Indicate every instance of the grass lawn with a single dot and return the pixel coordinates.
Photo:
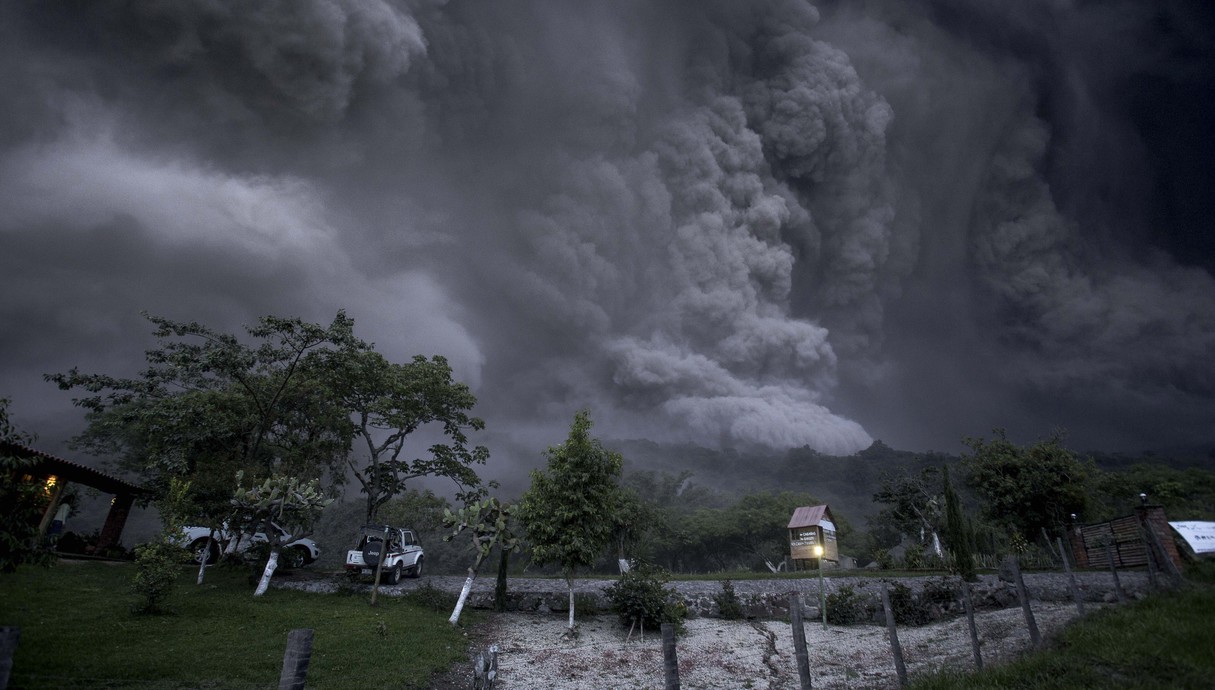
(1166, 641)
(77, 629)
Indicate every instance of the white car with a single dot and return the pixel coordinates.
(402, 553)
(295, 553)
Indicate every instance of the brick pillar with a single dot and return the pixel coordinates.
(111, 532)
(1154, 519)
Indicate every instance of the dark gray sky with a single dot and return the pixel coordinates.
(762, 223)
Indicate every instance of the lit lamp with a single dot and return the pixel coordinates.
(822, 600)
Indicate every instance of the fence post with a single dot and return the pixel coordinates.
(1109, 556)
(1034, 636)
(974, 630)
(1072, 578)
(9, 636)
(1151, 558)
(670, 661)
(799, 639)
(895, 648)
(295, 660)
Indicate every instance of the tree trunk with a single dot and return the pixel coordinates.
(202, 563)
(455, 615)
(271, 565)
(569, 581)
(936, 544)
(500, 585)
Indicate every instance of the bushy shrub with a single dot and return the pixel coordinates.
(908, 610)
(641, 597)
(913, 557)
(728, 605)
(884, 559)
(156, 570)
(848, 606)
(940, 591)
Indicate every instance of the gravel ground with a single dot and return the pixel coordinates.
(535, 653)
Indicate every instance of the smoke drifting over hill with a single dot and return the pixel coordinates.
(768, 223)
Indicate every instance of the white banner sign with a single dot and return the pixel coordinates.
(1199, 535)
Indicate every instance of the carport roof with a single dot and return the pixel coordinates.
(45, 465)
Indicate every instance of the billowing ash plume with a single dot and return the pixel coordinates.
(763, 223)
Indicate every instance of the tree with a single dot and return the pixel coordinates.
(208, 401)
(392, 401)
(913, 506)
(959, 536)
(157, 562)
(488, 524)
(569, 512)
(21, 501)
(1027, 490)
(286, 501)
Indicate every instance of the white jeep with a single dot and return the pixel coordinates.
(401, 552)
(295, 553)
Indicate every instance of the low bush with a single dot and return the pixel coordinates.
(728, 605)
(907, 608)
(848, 606)
(641, 597)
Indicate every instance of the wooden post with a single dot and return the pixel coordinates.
(9, 636)
(1034, 636)
(974, 630)
(799, 640)
(295, 660)
(670, 662)
(1079, 598)
(1109, 556)
(895, 648)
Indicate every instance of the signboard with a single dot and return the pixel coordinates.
(803, 541)
(1199, 535)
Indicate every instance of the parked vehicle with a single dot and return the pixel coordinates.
(295, 553)
(402, 554)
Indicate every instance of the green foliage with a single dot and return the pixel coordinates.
(641, 597)
(570, 510)
(959, 535)
(1028, 489)
(907, 608)
(728, 605)
(392, 401)
(432, 598)
(157, 563)
(488, 523)
(914, 557)
(912, 504)
(1185, 493)
(21, 502)
(846, 606)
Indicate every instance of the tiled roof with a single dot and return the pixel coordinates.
(47, 464)
(808, 516)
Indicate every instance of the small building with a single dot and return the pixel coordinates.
(810, 527)
(54, 474)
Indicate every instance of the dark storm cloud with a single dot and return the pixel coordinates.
(738, 223)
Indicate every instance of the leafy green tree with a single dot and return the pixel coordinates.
(570, 510)
(1027, 489)
(390, 402)
(488, 525)
(1185, 493)
(913, 506)
(208, 401)
(286, 501)
(959, 536)
(21, 501)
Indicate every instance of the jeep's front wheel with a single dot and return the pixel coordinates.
(204, 551)
(416, 570)
(394, 575)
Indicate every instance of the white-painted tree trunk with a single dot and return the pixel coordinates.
(202, 562)
(570, 583)
(936, 544)
(468, 582)
(271, 565)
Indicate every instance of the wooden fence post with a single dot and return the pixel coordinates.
(1076, 595)
(974, 630)
(1034, 636)
(670, 661)
(895, 648)
(799, 639)
(1109, 556)
(295, 660)
(9, 636)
